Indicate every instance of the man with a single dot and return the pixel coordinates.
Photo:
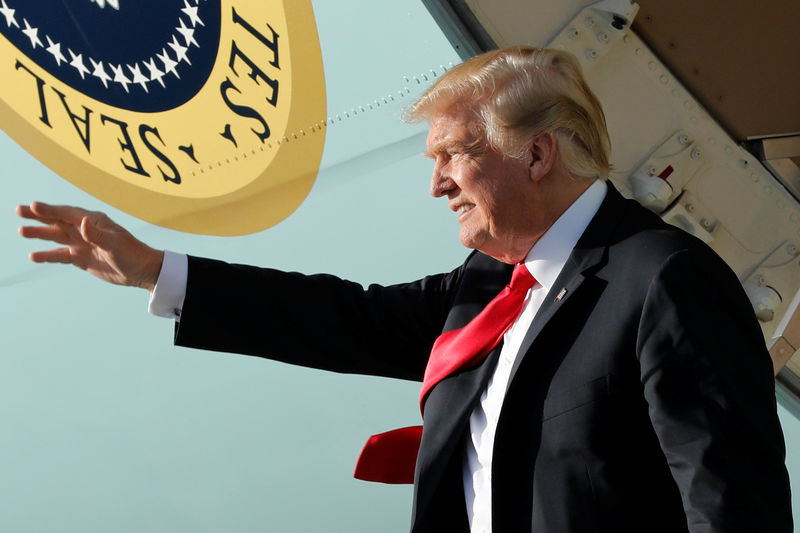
(631, 392)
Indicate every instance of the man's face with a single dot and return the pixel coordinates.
(490, 193)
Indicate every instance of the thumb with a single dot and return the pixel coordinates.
(94, 234)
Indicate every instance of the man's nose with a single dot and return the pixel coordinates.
(441, 185)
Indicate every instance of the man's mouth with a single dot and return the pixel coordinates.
(463, 209)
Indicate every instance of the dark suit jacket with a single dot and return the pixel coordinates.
(644, 401)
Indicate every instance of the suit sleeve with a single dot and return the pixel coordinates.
(318, 321)
(709, 384)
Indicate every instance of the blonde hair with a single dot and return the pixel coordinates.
(520, 93)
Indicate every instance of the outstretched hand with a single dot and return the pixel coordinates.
(92, 242)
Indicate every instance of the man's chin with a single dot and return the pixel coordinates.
(470, 241)
(479, 243)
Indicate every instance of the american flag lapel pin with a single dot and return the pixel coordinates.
(561, 294)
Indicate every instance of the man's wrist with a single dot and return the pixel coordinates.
(155, 258)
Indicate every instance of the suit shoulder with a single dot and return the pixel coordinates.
(642, 246)
(647, 235)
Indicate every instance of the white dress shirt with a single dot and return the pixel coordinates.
(545, 261)
(167, 298)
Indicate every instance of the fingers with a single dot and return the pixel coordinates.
(65, 213)
(63, 222)
(46, 233)
(26, 212)
(59, 255)
(49, 214)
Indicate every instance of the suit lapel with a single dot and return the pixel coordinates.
(448, 409)
(589, 254)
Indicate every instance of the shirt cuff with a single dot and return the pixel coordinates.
(170, 291)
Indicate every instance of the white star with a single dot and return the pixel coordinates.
(119, 76)
(112, 3)
(55, 50)
(188, 34)
(32, 33)
(155, 74)
(138, 77)
(191, 12)
(99, 72)
(8, 13)
(169, 64)
(77, 62)
(180, 51)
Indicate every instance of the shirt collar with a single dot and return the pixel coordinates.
(550, 253)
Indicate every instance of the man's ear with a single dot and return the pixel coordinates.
(542, 156)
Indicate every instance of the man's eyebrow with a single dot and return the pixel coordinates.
(446, 145)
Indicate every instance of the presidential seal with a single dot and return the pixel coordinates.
(204, 116)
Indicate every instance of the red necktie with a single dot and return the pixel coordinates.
(392, 456)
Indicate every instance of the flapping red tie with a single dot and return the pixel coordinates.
(390, 457)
